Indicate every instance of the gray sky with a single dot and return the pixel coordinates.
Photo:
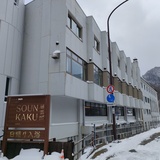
(135, 26)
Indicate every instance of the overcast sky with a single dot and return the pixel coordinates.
(135, 26)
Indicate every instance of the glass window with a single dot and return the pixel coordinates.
(74, 26)
(95, 109)
(126, 68)
(8, 81)
(96, 44)
(119, 110)
(69, 22)
(119, 85)
(129, 111)
(97, 75)
(69, 65)
(118, 62)
(76, 66)
(77, 70)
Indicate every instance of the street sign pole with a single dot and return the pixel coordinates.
(114, 123)
(110, 59)
(110, 98)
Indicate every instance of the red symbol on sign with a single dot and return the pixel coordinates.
(110, 89)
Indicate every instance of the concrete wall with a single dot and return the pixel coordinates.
(11, 40)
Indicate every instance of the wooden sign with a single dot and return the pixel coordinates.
(27, 117)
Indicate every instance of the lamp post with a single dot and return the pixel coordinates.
(110, 65)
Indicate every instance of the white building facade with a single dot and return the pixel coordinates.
(62, 52)
(11, 41)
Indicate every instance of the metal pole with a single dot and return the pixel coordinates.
(94, 136)
(110, 64)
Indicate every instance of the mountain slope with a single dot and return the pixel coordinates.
(153, 78)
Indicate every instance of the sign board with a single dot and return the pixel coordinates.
(110, 98)
(27, 118)
(110, 89)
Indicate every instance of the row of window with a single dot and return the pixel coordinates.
(148, 88)
(97, 109)
(76, 28)
(77, 67)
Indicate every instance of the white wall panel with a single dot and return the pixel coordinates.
(3, 6)
(15, 16)
(76, 88)
(57, 130)
(15, 56)
(43, 68)
(46, 18)
(9, 51)
(9, 12)
(3, 44)
(95, 93)
(56, 84)
(126, 100)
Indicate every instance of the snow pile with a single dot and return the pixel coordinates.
(127, 149)
(35, 154)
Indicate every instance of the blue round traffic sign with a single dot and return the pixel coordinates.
(110, 98)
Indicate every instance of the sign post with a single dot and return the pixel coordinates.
(27, 118)
(111, 98)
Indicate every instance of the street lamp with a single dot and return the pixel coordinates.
(110, 64)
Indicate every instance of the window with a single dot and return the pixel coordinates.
(74, 26)
(119, 111)
(130, 112)
(96, 44)
(131, 72)
(8, 81)
(97, 75)
(119, 86)
(118, 62)
(127, 90)
(126, 68)
(16, 2)
(95, 109)
(76, 66)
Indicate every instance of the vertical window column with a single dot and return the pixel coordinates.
(7, 89)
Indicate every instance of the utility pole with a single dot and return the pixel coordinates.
(110, 67)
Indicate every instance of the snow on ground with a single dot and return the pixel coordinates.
(130, 148)
(127, 149)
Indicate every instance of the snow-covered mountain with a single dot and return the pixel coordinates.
(153, 78)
